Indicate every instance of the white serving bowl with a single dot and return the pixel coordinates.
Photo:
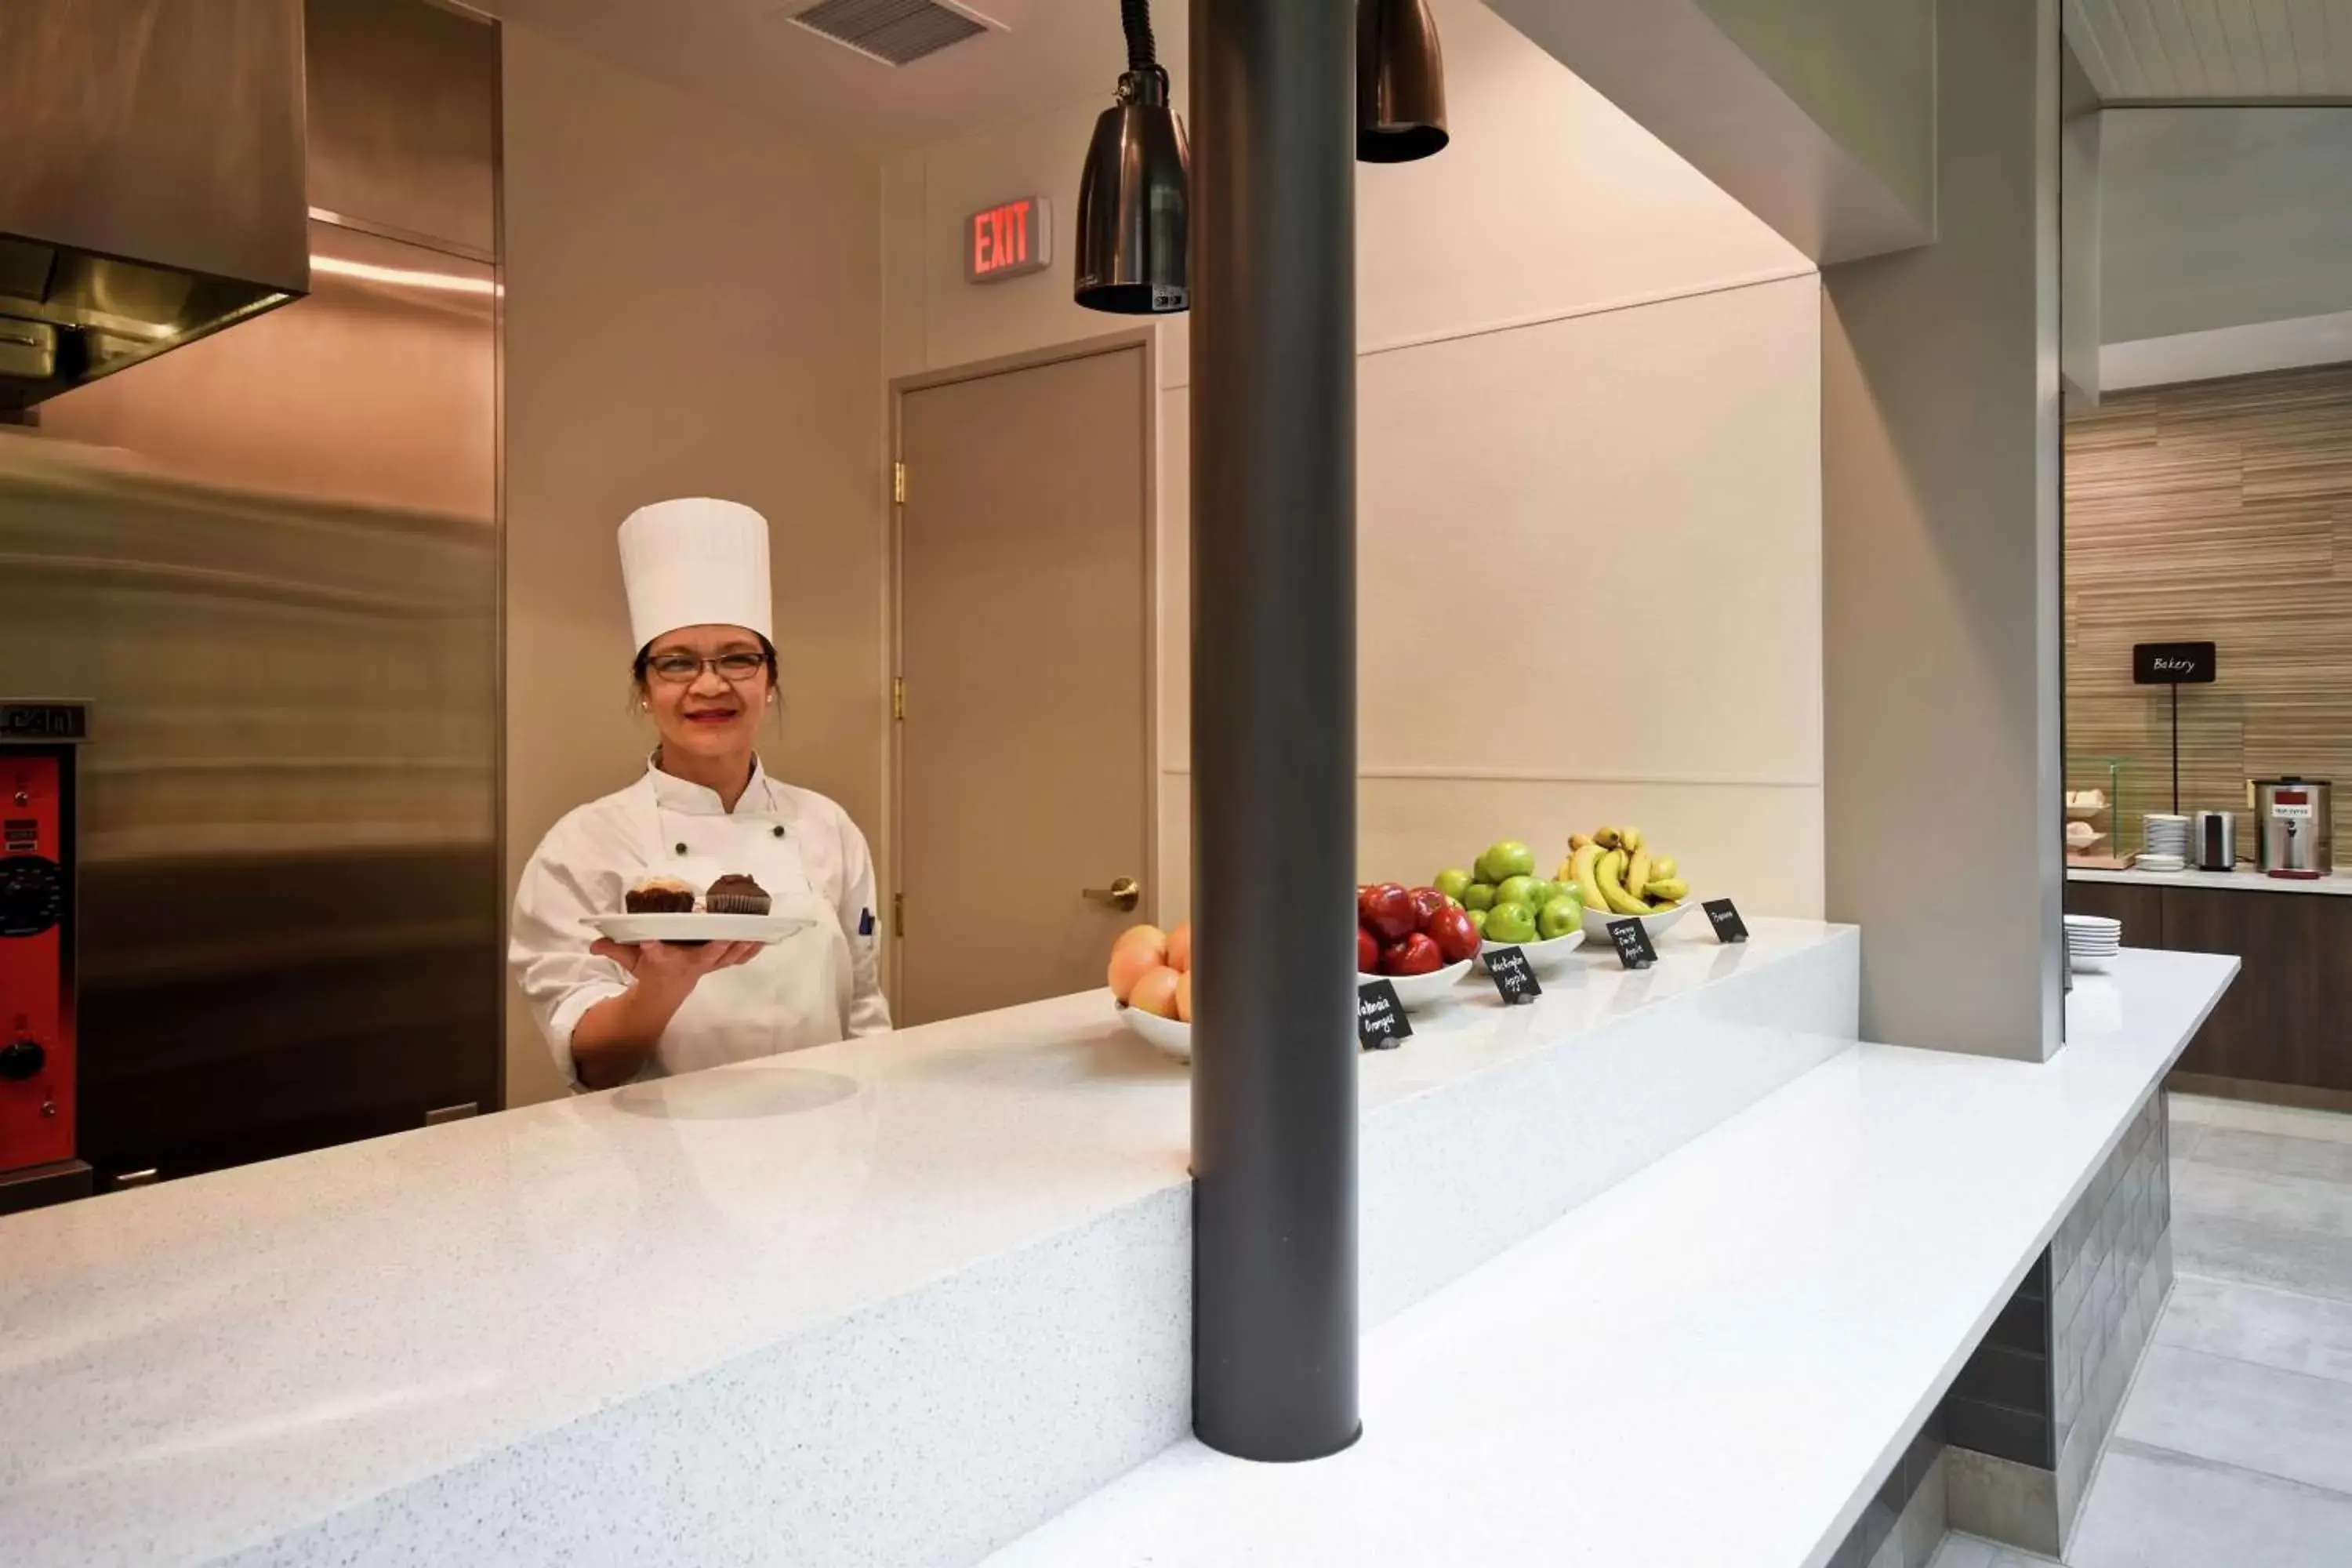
(1596, 921)
(1543, 957)
(1421, 990)
(1169, 1035)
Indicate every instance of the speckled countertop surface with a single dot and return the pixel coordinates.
(1712, 1364)
(198, 1365)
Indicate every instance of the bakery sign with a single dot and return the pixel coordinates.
(1008, 240)
(2173, 663)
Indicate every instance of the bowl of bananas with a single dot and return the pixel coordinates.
(1621, 878)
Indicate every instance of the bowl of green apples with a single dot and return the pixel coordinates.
(1513, 907)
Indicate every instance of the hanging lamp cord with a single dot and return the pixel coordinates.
(1135, 17)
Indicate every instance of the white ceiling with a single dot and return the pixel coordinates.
(2236, 50)
(745, 54)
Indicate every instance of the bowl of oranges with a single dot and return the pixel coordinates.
(1152, 983)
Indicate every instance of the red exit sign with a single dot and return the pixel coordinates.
(1008, 239)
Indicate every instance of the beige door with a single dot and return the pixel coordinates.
(1023, 629)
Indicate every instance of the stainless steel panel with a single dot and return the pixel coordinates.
(380, 389)
(403, 101)
(153, 190)
(164, 131)
(271, 559)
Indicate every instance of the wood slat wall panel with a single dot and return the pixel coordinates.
(2217, 511)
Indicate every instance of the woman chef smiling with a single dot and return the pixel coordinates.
(696, 572)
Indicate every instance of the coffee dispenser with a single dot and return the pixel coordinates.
(38, 744)
(2295, 819)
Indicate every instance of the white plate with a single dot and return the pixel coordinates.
(698, 928)
(1419, 990)
(2085, 964)
(1167, 1034)
(1543, 957)
(1597, 922)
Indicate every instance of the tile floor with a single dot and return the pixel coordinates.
(2234, 1447)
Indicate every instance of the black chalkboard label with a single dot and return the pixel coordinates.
(2173, 663)
(1729, 926)
(1514, 977)
(1632, 940)
(1381, 1023)
(44, 722)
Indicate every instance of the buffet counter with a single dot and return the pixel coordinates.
(895, 1300)
(2279, 1034)
(2247, 881)
(1722, 1360)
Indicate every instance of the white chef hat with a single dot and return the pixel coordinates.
(695, 563)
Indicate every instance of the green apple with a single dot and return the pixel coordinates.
(1544, 893)
(1518, 890)
(1508, 922)
(1478, 922)
(1479, 897)
(1452, 883)
(1507, 860)
(1561, 915)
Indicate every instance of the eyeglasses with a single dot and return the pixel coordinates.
(677, 669)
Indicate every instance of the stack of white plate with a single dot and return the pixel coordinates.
(2092, 941)
(2167, 843)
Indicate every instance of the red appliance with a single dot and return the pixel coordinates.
(37, 1111)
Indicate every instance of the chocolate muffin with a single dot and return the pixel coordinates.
(660, 896)
(736, 894)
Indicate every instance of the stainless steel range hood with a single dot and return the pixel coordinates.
(152, 188)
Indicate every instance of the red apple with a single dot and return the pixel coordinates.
(1416, 954)
(1368, 952)
(1386, 907)
(1426, 902)
(1455, 934)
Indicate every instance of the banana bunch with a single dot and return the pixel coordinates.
(1615, 871)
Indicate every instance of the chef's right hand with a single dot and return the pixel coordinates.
(667, 966)
(614, 1039)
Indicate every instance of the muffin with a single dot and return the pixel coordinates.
(736, 894)
(660, 896)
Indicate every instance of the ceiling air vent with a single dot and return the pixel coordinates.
(895, 32)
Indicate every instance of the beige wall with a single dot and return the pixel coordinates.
(1585, 371)
(1807, 112)
(1940, 532)
(1864, 68)
(692, 307)
(2223, 217)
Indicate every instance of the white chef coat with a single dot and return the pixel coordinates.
(810, 989)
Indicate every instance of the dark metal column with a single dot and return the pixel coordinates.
(1273, 726)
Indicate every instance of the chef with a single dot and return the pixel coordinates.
(705, 673)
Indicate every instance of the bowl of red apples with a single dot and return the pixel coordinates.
(1416, 938)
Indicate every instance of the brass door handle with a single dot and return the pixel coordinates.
(1123, 893)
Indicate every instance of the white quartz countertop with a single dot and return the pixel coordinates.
(190, 1368)
(2243, 881)
(1714, 1362)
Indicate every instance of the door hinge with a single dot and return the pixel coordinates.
(899, 483)
(899, 697)
(897, 914)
